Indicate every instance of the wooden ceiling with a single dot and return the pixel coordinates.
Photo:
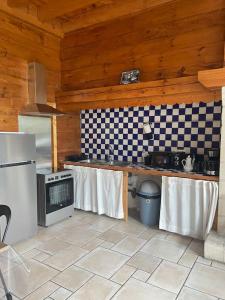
(70, 15)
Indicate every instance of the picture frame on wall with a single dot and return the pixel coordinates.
(129, 77)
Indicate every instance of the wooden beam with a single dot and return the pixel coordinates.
(27, 18)
(116, 9)
(22, 3)
(54, 9)
(212, 79)
(224, 55)
(171, 91)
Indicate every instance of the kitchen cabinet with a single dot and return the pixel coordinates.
(100, 191)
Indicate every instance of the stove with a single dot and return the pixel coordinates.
(55, 196)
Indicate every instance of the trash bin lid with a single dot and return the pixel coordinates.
(149, 188)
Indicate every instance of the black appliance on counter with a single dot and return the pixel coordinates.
(165, 160)
(199, 163)
(55, 196)
(76, 157)
(212, 162)
(158, 159)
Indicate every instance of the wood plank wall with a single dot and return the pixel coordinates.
(21, 43)
(68, 135)
(173, 40)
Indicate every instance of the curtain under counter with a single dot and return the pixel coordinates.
(98, 190)
(188, 206)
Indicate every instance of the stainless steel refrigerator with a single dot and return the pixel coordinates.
(18, 188)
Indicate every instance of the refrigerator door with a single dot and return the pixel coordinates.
(16, 147)
(18, 190)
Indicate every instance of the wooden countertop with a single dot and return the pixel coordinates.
(137, 169)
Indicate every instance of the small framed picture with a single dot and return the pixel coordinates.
(131, 76)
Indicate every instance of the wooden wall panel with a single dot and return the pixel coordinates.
(173, 40)
(68, 135)
(21, 43)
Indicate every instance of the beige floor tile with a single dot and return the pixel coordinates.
(107, 245)
(152, 232)
(79, 236)
(103, 224)
(144, 262)
(129, 245)
(197, 247)
(137, 290)
(112, 236)
(141, 275)
(188, 259)
(26, 245)
(93, 244)
(30, 254)
(123, 274)
(180, 240)
(53, 246)
(61, 294)
(41, 256)
(208, 280)
(89, 218)
(71, 222)
(97, 288)
(164, 249)
(189, 294)
(65, 258)
(43, 292)
(191, 254)
(169, 276)
(45, 234)
(134, 227)
(72, 278)
(97, 235)
(103, 262)
(22, 283)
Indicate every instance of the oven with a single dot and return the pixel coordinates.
(55, 196)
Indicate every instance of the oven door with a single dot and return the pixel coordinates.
(59, 194)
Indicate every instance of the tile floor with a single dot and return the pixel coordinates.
(94, 257)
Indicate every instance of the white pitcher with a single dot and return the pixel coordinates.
(188, 164)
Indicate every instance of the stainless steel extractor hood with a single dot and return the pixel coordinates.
(37, 92)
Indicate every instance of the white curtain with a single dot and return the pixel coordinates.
(98, 190)
(85, 188)
(110, 193)
(188, 206)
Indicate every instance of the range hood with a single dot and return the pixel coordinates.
(37, 93)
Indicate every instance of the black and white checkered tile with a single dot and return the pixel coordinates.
(195, 127)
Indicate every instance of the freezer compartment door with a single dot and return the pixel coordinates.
(18, 190)
(16, 147)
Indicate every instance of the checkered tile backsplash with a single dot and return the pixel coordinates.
(195, 127)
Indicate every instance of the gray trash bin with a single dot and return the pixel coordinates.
(149, 197)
